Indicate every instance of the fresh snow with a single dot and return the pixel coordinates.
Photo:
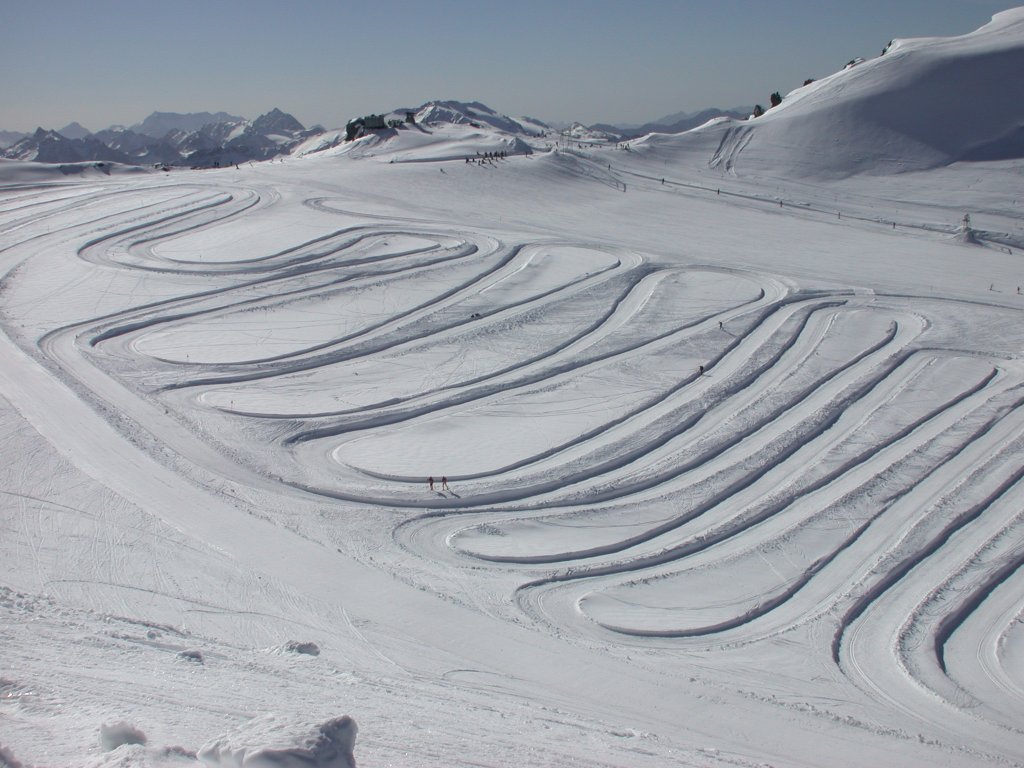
(732, 432)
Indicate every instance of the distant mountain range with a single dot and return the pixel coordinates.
(197, 139)
(204, 139)
(159, 124)
(7, 138)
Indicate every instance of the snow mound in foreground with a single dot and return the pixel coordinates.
(304, 648)
(8, 760)
(925, 103)
(114, 735)
(273, 741)
(134, 756)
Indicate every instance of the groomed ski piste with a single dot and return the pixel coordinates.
(730, 426)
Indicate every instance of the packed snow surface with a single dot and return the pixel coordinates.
(619, 456)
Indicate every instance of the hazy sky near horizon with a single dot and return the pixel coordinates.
(103, 62)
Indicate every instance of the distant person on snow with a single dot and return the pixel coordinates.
(701, 369)
(430, 482)
(444, 483)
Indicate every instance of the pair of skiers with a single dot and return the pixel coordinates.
(444, 483)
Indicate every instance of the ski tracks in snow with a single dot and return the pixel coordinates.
(781, 459)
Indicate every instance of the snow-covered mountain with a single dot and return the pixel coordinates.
(7, 138)
(139, 148)
(175, 139)
(185, 140)
(237, 141)
(434, 130)
(276, 123)
(924, 103)
(74, 130)
(52, 147)
(474, 114)
(159, 124)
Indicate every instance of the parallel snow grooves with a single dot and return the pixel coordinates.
(892, 639)
(112, 249)
(935, 421)
(329, 280)
(939, 492)
(624, 307)
(330, 286)
(741, 461)
(52, 205)
(835, 494)
(957, 601)
(767, 509)
(654, 447)
(402, 409)
(971, 639)
(502, 380)
(550, 368)
(695, 445)
(395, 332)
(293, 270)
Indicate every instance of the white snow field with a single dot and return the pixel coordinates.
(731, 423)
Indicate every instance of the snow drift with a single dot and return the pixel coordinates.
(273, 741)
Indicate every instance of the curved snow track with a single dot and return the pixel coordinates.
(683, 458)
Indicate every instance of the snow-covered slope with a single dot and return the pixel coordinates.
(924, 103)
(590, 456)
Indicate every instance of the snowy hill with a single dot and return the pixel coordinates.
(925, 103)
(580, 132)
(677, 123)
(473, 114)
(441, 130)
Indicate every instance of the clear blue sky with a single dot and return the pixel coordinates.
(104, 62)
